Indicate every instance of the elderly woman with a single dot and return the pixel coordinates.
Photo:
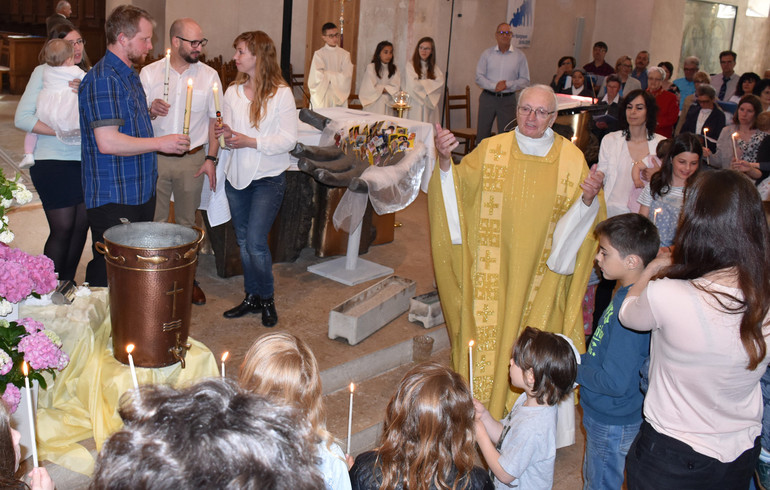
(739, 142)
(668, 106)
(56, 172)
(699, 78)
(746, 84)
(581, 84)
(563, 78)
(705, 118)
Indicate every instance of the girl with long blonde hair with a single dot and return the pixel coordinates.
(260, 128)
(282, 368)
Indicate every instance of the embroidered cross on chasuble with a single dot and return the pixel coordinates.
(497, 282)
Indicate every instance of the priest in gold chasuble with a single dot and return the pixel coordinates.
(512, 241)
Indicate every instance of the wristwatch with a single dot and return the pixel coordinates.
(213, 159)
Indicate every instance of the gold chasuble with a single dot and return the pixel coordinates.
(497, 282)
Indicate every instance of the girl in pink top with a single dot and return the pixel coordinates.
(708, 314)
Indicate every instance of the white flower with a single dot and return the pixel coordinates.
(5, 202)
(22, 195)
(6, 236)
(5, 307)
(5, 219)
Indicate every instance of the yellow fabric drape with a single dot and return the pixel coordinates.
(497, 282)
(83, 401)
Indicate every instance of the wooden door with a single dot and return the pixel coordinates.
(322, 11)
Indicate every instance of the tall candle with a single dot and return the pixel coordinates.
(706, 144)
(350, 416)
(655, 216)
(25, 370)
(224, 358)
(218, 108)
(735, 148)
(129, 350)
(165, 80)
(470, 365)
(187, 106)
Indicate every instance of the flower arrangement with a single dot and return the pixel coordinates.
(10, 190)
(27, 340)
(22, 275)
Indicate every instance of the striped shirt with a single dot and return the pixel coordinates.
(112, 95)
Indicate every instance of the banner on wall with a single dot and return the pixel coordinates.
(521, 17)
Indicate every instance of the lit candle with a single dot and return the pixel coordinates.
(655, 216)
(165, 80)
(218, 108)
(224, 358)
(706, 144)
(187, 106)
(470, 365)
(129, 350)
(25, 370)
(735, 148)
(350, 416)
(573, 139)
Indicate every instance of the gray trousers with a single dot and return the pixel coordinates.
(491, 106)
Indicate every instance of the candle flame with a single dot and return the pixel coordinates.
(168, 52)
(130, 348)
(705, 130)
(24, 368)
(735, 135)
(574, 138)
(215, 87)
(471, 343)
(224, 356)
(189, 82)
(352, 387)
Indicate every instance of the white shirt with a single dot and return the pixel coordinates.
(276, 136)
(331, 73)
(202, 109)
(702, 116)
(371, 95)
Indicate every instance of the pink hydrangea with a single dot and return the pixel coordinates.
(6, 363)
(41, 352)
(22, 274)
(30, 325)
(15, 284)
(11, 397)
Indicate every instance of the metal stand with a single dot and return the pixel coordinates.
(350, 270)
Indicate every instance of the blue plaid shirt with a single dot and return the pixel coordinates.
(112, 95)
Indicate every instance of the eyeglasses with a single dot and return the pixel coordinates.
(333, 35)
(505, 33)
(79, 42)
(629, 65)
(194, 43)
(540, 113)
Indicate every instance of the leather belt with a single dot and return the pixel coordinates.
(498, 94)
(190, 152)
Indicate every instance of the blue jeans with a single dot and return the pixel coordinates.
(605, 456)
(253, 210)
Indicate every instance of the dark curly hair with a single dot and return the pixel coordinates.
(652, 112)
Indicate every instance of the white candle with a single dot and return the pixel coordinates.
(129, 350)
(224, 358)
(25, 370)
(350, 416)
(470, 365)
(655, 216)
(706, 144)
(573, 139)
(165, 80)
(735, 148)
(218, 108)
(187, 106)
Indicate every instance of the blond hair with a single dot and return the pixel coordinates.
(57, 51)
(267, 72)
(282, 368)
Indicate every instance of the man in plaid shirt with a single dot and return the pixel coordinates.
(118, 144)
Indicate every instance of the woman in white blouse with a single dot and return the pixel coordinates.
(381, 81)
(424, 82)
(260, 127)
(707, 308)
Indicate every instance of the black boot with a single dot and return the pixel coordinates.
(250, 304)
(269, 315)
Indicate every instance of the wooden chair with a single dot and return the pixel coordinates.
(298, 81)
(468, 134)
(355, 103)
(228, 73)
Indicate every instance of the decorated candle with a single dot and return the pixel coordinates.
(165, 80)
(218, 108)
(187, 107)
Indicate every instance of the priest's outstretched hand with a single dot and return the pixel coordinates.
(592, 185)
(445, 143)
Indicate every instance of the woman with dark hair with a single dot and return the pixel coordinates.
(381, 81)
(633, 145)
(427, 440)
(581, 84)
(668, 68)
(424, 82)
(762, 90)
(562, 80)
(746, 84)
(741, 139)
(706, 306)
(9, 459)
(662, 199)
(56, 168)
(260, 127)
